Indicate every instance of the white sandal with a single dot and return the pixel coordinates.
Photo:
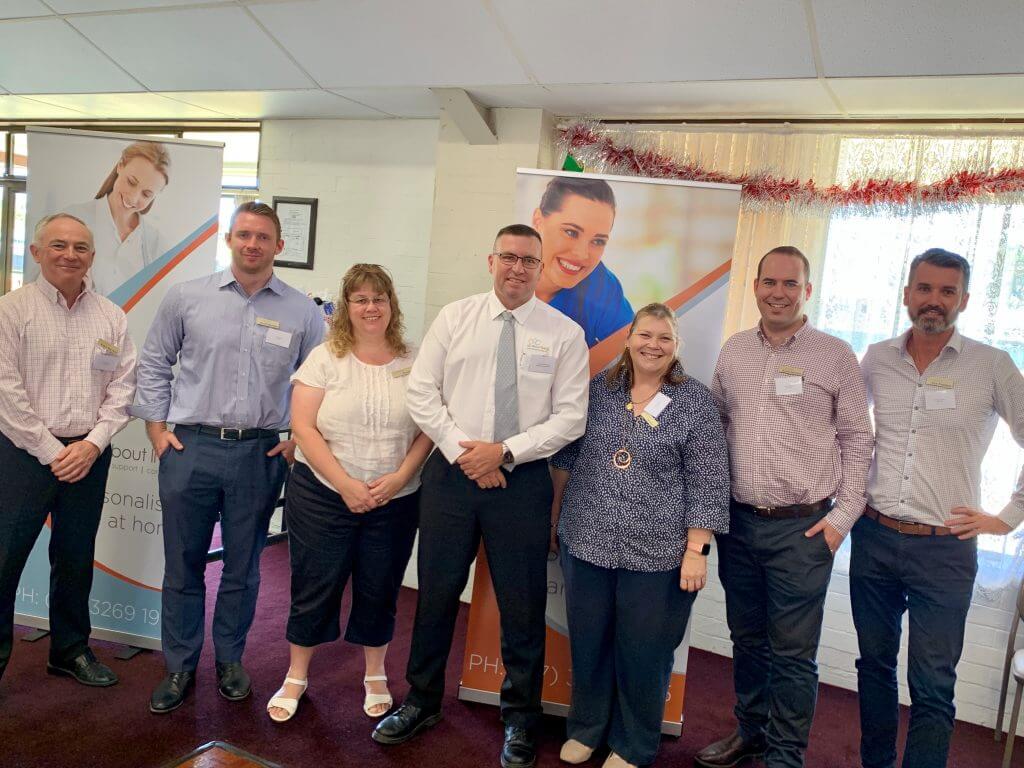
(289, 705)
(376, 699)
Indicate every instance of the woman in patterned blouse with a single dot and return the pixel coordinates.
(636, 501)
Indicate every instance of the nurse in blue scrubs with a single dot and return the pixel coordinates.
(575, 220)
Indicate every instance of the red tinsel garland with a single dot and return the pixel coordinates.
(586, 142)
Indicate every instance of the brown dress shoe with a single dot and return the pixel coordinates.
(730, 751)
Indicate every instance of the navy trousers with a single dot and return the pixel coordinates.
(775, 582)
(932, 578)
(29, 492)
(515, 525)
(328, 544)
(624, 627)
(211, 479)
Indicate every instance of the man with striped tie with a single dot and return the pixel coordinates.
(500, 384)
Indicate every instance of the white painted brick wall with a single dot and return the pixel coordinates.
(374, 180)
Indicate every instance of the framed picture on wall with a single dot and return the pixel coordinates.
(298, 230)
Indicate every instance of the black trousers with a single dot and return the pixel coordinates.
(327, 543)
(29, 492)
(514, 522)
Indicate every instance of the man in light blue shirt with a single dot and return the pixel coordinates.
(237, 336)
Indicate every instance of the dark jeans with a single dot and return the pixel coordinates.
(211, 479)
(932, 577)
(775, 581)
(624, 627)
(29, 492)
(515, 523)
(327, 544)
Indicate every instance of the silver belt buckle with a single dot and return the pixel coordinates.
(766, 510)
(225, 433)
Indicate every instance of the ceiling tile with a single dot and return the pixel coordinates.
(278, 104)
(197, 49)
(20, 9)
(130, 106)
(397, 102)
(920, 37)
(393, 42)
(89, 6)
(48, 56)
(981, 96)
(22, 108)
(586, 41)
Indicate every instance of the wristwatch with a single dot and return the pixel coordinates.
(703, 549)
(506, 455)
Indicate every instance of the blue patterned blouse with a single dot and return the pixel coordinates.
(637, 518)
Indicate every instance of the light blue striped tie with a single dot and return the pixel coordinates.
(506, 387)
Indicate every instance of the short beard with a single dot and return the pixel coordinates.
(933, 326)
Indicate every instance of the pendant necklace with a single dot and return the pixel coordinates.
(622, 458)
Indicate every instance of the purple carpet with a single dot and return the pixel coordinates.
(54, 722)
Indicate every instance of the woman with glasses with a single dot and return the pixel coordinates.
(352, 500)
(636, 501)
(575, 219)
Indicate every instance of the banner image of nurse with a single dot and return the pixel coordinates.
(151, 205)
(610, 245)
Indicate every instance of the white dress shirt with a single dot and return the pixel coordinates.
(932, 429)
(63, 372)
(451, 387)
(363, 417)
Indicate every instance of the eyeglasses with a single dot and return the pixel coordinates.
(510, 259)
(363, 301)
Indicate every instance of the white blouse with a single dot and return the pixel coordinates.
(363, 416)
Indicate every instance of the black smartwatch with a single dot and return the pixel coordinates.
(705, 549)
(506, 455)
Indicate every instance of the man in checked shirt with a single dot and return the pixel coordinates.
(795, 411)
(937, 398)
(67, 377)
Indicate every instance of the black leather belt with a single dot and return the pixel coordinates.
(229, 433)
(788, 512)
(70, 440)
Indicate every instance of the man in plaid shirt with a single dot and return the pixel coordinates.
(795, 411)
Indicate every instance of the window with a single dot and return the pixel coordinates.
(865, 269)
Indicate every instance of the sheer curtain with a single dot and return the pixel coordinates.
(865, 268)
(859, 259)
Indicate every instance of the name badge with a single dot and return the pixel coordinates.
(106, 346)
(540, 363)
(101, 361)
(401, 372)
(940, 381)
(267, 323)
(789, 370)
(278, 338)
(939, 399)
(789, 385)
(656, 406)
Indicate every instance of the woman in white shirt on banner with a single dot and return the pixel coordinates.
(126, 238)
(352, 500)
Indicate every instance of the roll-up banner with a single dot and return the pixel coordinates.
(611, 246)
(152, 205)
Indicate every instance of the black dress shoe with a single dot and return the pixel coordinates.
(404, 723)
(85, 669)
(730, 751)
(234, 682)
(170, 694)
(519, 749)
